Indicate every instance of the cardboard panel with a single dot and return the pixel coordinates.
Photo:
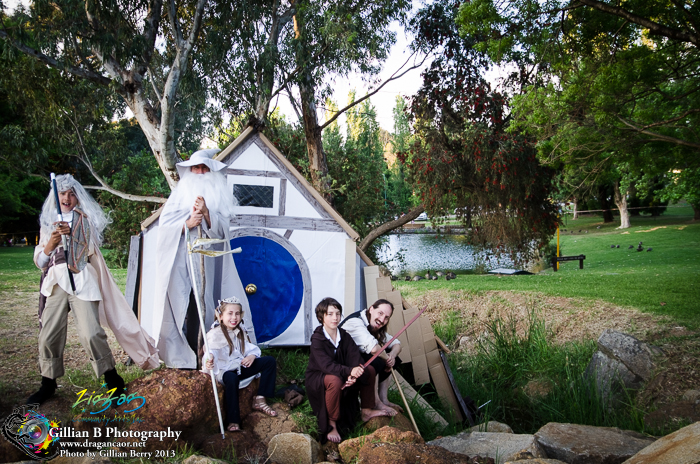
(429, 343)
(371, 274)
(442, 385)
(415, 340)
(384, 285)
(397, 322)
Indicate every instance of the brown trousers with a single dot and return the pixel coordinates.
(333, 385)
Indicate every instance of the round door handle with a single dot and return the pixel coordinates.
(250, 289)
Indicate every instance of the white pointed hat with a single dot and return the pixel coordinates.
(202, 157)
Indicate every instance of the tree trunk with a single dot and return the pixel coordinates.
(389, 226)
(318, 166)
(621, 202)
(575, 216)
(696, 211)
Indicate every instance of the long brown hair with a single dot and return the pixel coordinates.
(224, 329)
(380, 334)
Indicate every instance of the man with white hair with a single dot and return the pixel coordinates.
(201, 199)
(90, 292)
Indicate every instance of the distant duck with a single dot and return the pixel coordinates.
(407, 279)
(428, 276)
(649, 249)
(612, 246)
(640, 248)
(586, 231)
(598, 227)
(617, 246)
(417, 278)
(630, 247)
(451, 275)
(579, 231)
(439, 273)
(434, 277)
(640, 243)
(447, 277)
(393, 277)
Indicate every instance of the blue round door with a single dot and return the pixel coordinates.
(280, 288)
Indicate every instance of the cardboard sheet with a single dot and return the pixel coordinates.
(415, 340)
(443, 386)
(371, 273)
(397, 322)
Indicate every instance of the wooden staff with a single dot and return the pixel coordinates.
(403, 397)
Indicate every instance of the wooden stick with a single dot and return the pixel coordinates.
(386, 345)
(403, 397)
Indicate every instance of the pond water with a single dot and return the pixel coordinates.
(417, 253)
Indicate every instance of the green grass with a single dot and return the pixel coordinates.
(505, 363)
(643, 280)
(18, 272)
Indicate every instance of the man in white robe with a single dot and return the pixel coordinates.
(201, 199)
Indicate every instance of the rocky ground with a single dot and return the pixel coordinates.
(568, 319)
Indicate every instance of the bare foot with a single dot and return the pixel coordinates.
(367, 413)
(334, 436)
(389, 410)
(393, 406)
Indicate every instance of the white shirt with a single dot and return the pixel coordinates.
(328, 336)
(357, 328)
(86, 282)
(226, 360)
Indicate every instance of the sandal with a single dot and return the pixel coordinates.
(259, 404)
(233, 427)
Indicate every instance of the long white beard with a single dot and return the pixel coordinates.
(211, 186)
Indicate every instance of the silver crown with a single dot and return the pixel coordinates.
(230, 300)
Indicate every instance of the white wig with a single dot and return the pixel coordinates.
(97, 217)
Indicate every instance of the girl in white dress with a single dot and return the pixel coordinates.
(236, 361)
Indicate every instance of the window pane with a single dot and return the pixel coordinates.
(261, 196)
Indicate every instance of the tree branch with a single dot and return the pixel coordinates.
(105, 186)
(47, 60)
(655, 136)
(654, 27)
(388, 226)
(392, 78)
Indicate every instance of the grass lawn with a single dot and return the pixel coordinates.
(663, 281)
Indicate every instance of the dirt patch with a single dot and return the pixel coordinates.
(569, 319)
(19, 363)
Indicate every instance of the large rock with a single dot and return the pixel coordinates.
(197, 459)
(398, 421)
(349, 449)
(491, 426)
(680, 447)
(535, 461)
(402, 453)
(183, 401)
(622, 360)
(503, 446)
(584, 444)
(294, 448)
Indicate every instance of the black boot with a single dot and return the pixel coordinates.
(114, 380)
(48, 388)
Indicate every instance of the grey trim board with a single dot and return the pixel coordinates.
(285, 222)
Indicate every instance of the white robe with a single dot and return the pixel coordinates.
(173, 286)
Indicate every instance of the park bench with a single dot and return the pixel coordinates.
(559, 259)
